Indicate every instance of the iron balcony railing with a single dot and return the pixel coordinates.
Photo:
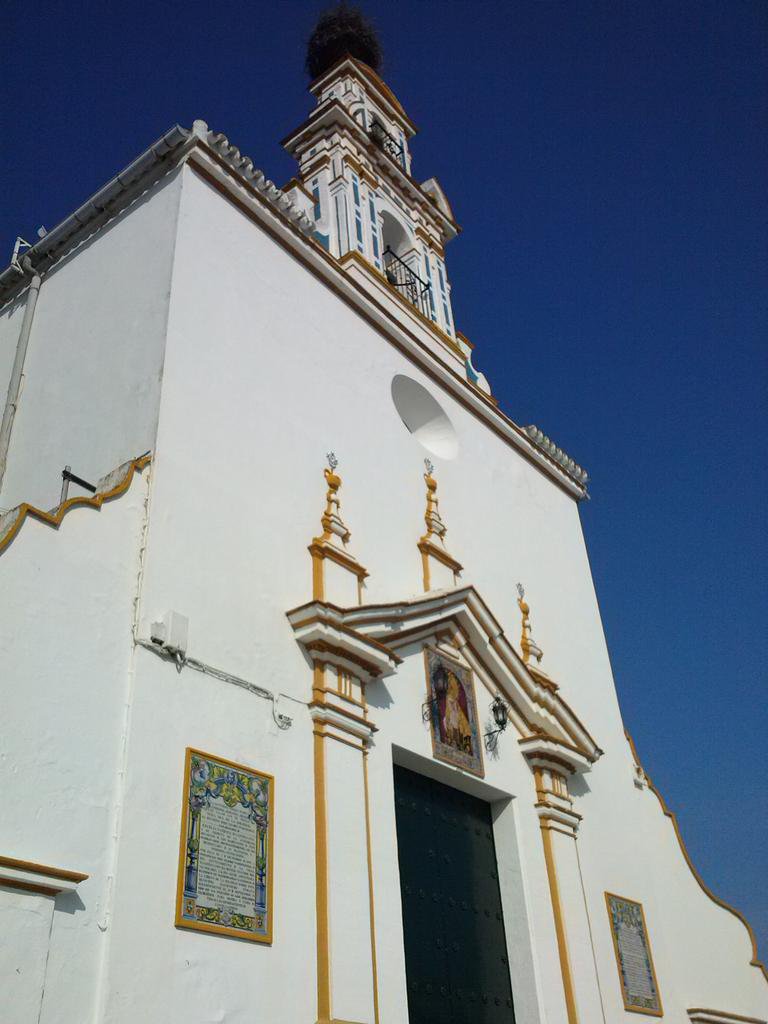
(407, 281)
(387, 142)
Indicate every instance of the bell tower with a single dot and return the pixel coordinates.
(354, 160)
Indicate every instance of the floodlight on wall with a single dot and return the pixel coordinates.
(500, 712)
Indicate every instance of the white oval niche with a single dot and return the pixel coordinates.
(424, 417)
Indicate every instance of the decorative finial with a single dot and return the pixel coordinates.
(527, 644)
(334, 528)
(435, 525)
(332, 545)
(432, 544)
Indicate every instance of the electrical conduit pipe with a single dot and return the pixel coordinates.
(14, 386)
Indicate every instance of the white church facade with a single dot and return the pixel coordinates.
(279, 744)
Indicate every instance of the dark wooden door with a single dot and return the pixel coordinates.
(455, 948)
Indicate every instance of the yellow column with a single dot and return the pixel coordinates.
(321, 882)
(557, 911)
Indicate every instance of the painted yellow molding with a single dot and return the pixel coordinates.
(697, 1012)
(333, 540)
(365, 175)
(433, 244)
(527, 644)
(12, 521)
(320, 734)
(432, 544)
(317, 165)
(42, 869)
(371, 901)
(346, 619)
(562, 942)
(295, 183)
(321, 883)
(33, 868)
(353, 256)
(754, 962)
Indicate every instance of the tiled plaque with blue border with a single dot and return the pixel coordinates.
(639, 987)
(225, 860)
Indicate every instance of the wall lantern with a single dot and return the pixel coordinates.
(499, 710)
(430, 709)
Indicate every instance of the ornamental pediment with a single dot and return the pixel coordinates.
(376, 638)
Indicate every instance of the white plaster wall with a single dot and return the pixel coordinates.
(26, 923)
(265, 372)
(93, 366)
(348, 888)
(65, 644)
(160, 973)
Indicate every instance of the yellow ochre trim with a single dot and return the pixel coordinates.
(425, 575)
(628, 1006)
(42, 869)
(754, 962)
(325, 546)
(367, 176)
(370, 889)
(427, 548)
(323, 690)
(725, 1016)
(295, 183)
(344, 713)
(42, 888)
(323, 734)
(55, 517)
(562, 942)
(353, 256)
(318, 576)
(318, 164)
(433, 244)
(321, 884)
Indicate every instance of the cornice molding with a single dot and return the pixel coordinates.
(320, 629)
(333, 113)
(29, 876)
(545, 752)
(110, 486)
(370, 80)
(698, 1015)
(548, 724)
(353, 257)
(343, 721)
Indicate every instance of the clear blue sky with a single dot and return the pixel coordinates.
(608, 164)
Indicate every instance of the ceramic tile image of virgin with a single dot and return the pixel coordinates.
(453, 712)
